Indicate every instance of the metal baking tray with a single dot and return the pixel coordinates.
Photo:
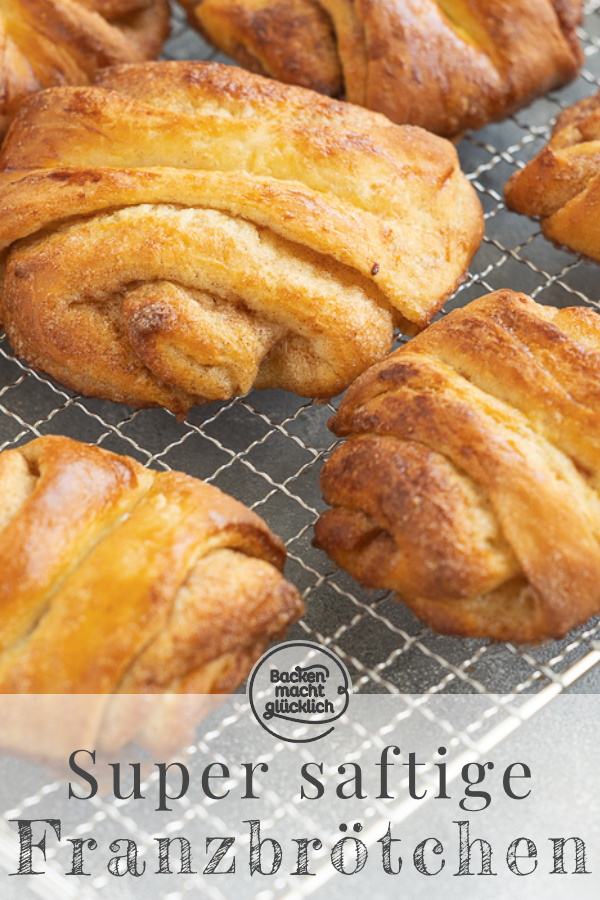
(267, 450)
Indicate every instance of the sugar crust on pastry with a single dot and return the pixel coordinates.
(185, 231)
(469, 481)
(118, 579)
(447, 65)
(561, 185)
(51, 42)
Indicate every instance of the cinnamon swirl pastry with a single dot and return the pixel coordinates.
(50, 42)
(470, 478)
(117, 580)
(183, 232)
(561, 185)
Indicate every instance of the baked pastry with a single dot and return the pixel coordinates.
(447, 66)
(120, 580)
(561, 185)
(50, 42)
(470, 479)
(185, 231)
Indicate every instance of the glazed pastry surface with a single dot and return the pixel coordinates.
(184, 231)
(469, 478)
(447, 65)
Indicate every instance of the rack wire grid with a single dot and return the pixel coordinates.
(267, 450)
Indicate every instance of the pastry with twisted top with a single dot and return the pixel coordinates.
(184, 232)
(447, 65)
(117, 580)
(51, 42)
(561, 185)
(469, 482)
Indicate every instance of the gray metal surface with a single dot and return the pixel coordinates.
(267, 450)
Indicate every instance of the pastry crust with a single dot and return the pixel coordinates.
(51, 42)
(120, 580)
(561, 185)
(186, 231)
(446, 65)
(469, 481)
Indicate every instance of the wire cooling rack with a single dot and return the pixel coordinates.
(267, 450)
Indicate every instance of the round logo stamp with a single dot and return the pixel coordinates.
(299, 684)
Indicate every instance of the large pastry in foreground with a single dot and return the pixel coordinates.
(51, 42)
(470, 478)
(447, 66)
(117, 580)
(184, 232)
(127, 594)
(561, 185)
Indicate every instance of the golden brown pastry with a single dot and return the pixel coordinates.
(50, 42)
(447, 65)
(186, 231)
(470, 479)
(120, 580)
(561, 185)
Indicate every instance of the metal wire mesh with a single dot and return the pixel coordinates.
(267, 450)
